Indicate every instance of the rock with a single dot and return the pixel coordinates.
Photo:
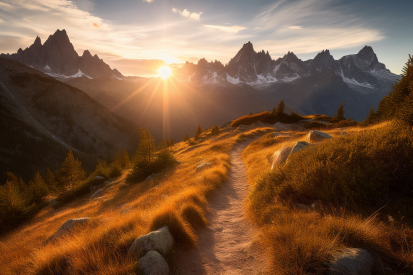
(99, 178)
(300, 145)
(96, 194)
(160, 240)
(203, 166)
(280, 156)
(344, 133)
(351, 261)
(153, 264)
(287, 127)
(317, 136)
(66, 228)
(52, 202)
(242, 127)
(316, 205)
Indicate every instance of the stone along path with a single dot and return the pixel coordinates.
(226, 245)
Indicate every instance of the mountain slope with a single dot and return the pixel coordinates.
(58, 58)
(59, 115)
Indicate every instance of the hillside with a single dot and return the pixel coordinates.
(203, 177)
(40, 113)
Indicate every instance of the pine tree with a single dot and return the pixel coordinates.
(50, 181)
(71, 172)
(274, 111)
(340, 113)
(147, 148)
(13, 200)
(280, 108)
(215, 130)
(250, 113)
(125, 159)
(198, 132)
(186, 138)
(371, 117)
(38, 188)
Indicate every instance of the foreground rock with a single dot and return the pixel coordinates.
(288, 127)
(280, 156)
(317, 136)
(153, 264)
(160, 240)
(66, 228)
(97, 194)
(351, 261)
(300, 145)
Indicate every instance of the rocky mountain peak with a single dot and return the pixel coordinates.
(37, 42)
(86, 54)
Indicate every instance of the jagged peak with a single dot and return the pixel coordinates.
(37, 41)
(86, 53)
(366, 50)
(248, 46)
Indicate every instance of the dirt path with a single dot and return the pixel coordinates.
(225, 246)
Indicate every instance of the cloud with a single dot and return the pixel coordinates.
(1, 20)
(27, 20)
(148, 1)
(295, 27)
(185, 13)
(232, 29)
(96, 25)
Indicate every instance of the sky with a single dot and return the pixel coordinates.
(132, 34)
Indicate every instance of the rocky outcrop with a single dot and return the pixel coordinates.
(67, 228)
(317, 136)
(160, 240)
(280, 156)
(153, 264)
(300, 145)
(351, 261)
(97, 194)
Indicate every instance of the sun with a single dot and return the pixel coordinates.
(164, 72)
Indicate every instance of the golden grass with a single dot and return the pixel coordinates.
(176, 197)
(299, 241)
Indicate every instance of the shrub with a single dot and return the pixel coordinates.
(215, 130)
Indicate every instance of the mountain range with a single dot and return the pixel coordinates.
(42, 118)
(211, 93)
(57, 57)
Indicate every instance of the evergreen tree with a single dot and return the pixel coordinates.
(198, 132)
(281, 106)
(371, 117)
(125, 159)
(146, 149)
(186, 138)
(12, 199)
(50, 180)
(71, 172)
(38, 188)
(215, 130)
(250, 113)
(274, 111)
(340, 113)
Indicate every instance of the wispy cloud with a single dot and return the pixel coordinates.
(96, 25)
(148, 1)
(27, 20)
(187, 14)
(232, 29)
(295, 27)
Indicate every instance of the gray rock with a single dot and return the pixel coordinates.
(160, 240)
(153, 264)
(344, 133)
(97, 194)
(280, 156)
(99, 178)
(351, 261)
(302, 206)
(66, 228)
(288, 127)
(300, 145)
(317, 136)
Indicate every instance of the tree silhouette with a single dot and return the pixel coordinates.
(71, 172)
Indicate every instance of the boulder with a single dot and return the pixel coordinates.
(99, 178)
(288, 127)
(153, 264)
(351, 261)
(344, 133)
(300, 145)
(280, 156)
(97, 194)
(160, 240)
(317, 136)
(66, 228)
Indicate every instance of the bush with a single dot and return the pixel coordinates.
(80, 190)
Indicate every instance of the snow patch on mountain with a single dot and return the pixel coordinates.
(233, 80)
(62, 76)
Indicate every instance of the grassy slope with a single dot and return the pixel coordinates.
(300, 240)
(176, 196)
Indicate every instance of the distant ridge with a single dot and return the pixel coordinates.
(57, 57)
